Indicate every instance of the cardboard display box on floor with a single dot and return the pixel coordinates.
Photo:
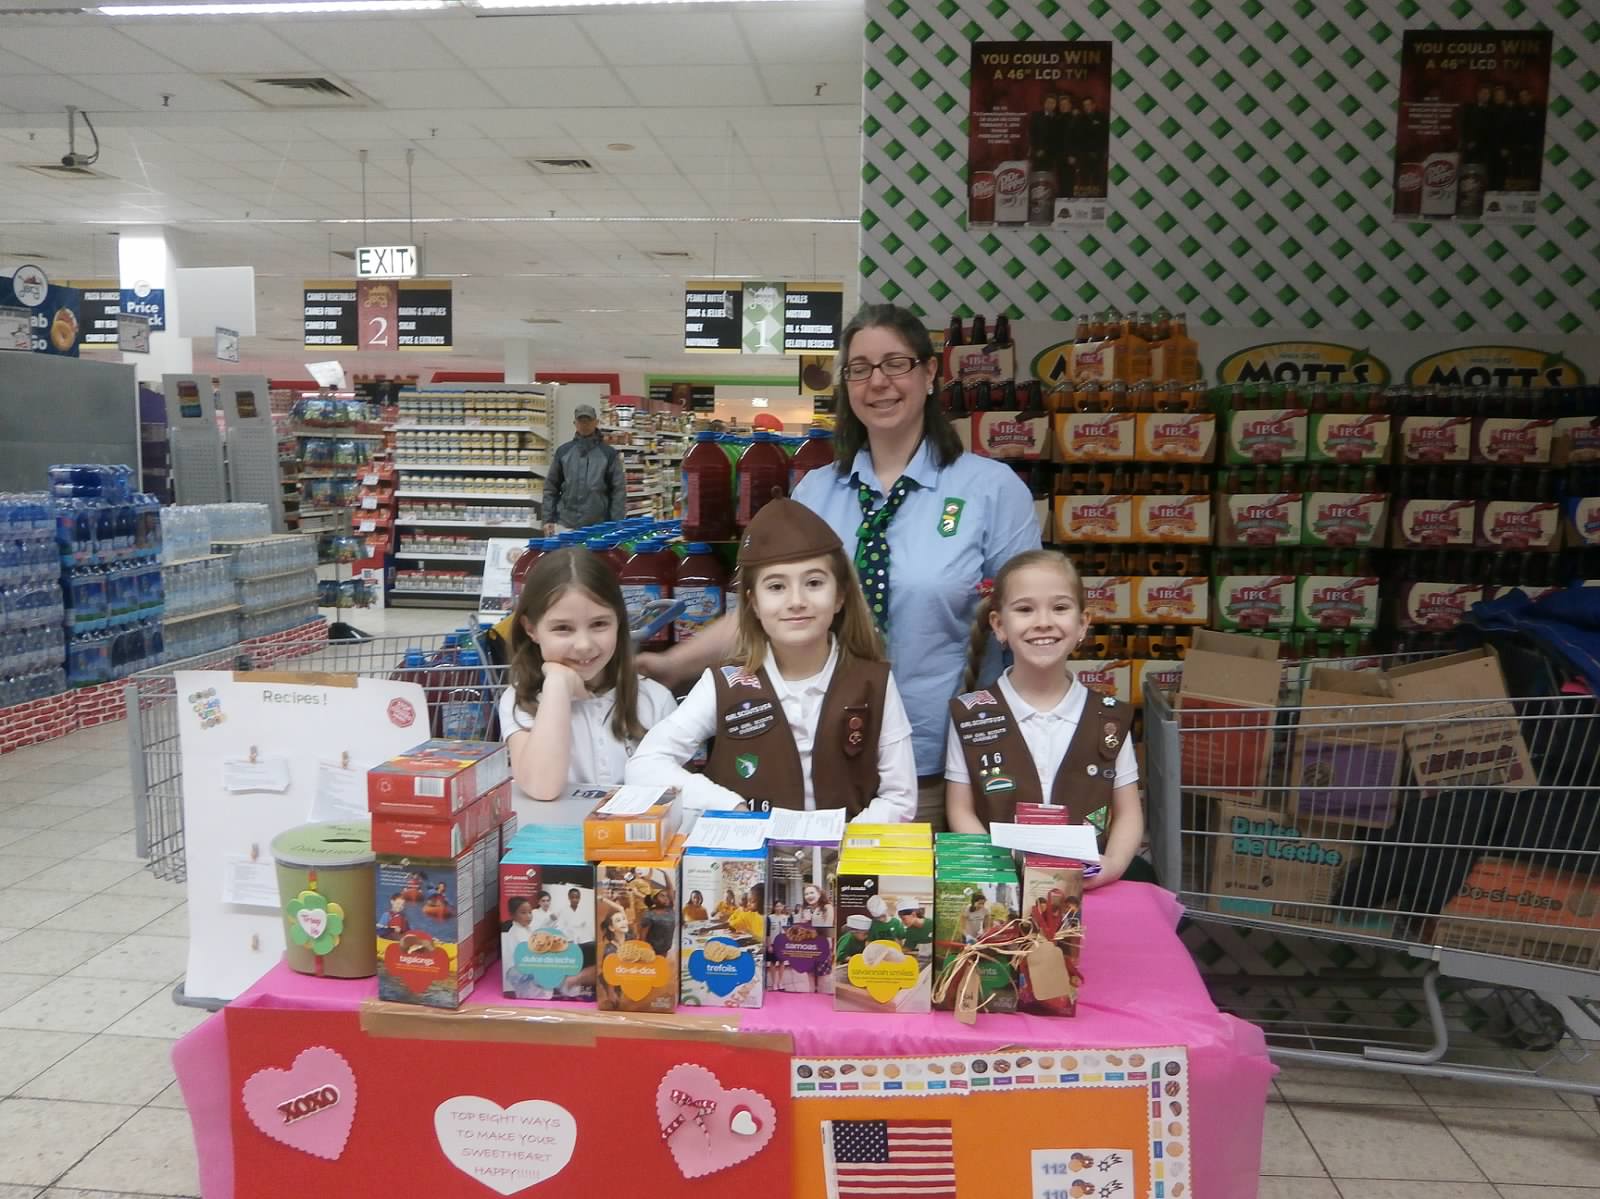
(1515, 909)
(1461, 729)
(1347, 754)
(1268, 866)
(1227, 706)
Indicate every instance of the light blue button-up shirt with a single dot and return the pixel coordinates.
(937, 559)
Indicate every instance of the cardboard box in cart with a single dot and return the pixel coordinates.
(1520, 910)
(1268, 865)
(1226, 706)
(1461, 729)
(1348, 751)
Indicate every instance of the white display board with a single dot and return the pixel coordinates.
(253, 477)
(197, 471)
(262, 753)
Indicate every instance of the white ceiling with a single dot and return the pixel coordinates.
(744, 123)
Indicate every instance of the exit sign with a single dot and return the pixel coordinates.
(386, 262)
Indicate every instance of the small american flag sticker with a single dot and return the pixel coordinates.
(975, 699)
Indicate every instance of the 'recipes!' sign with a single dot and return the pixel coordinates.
(386, 262)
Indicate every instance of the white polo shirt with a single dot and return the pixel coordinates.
(598, 758)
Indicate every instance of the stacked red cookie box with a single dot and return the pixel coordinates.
(440, 813)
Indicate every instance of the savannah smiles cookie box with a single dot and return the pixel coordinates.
(883, 955)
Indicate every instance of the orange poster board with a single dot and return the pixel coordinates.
(1042, 1124)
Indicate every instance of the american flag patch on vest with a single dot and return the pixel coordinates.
(974, 699)
(734, 676)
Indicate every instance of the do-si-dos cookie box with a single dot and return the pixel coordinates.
(883, 956)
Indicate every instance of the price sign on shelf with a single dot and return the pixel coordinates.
(369, 502)
(370, 480)
(367, 526)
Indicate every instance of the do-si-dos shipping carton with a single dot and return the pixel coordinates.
(1227, 709)
(1516, 909)
(883, 933)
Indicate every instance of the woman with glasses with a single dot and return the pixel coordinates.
(925, 522)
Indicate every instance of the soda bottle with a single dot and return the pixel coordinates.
(980, 331)
(1002, 330)
(816, 452)
(952, 335)
(703, 582)
(708, 503)
(763, 475)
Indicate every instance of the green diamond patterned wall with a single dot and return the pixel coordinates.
(1252, 151)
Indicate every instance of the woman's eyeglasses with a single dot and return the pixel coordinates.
(859, 371)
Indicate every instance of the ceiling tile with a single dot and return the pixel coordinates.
(214, 46)
(424, 88)
(518, 41)
(800, 34)
(51, 94)
(679, 38)
(155, 93)
(372, 44)
(840, 83)
(85, 50)
(557, 87)
(664, 87)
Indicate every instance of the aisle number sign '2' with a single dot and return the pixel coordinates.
(379, 314)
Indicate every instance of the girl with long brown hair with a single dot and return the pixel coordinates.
(576, 708)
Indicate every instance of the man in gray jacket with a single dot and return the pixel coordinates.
(586, 483)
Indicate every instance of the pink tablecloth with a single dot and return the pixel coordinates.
(1141, 989)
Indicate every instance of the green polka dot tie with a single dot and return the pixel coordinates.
(872, 547)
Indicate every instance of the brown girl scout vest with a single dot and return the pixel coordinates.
(1003, 773)
(754, 752)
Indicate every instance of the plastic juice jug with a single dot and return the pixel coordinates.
(537, 548)
(648, 576)
(607, 547)
(703, 582)
(763, 476)
(707, 491)
(815, 452)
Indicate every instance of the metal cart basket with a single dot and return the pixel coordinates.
(150, 699)
(1447, 846)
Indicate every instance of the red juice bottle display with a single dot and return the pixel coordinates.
(702, 582)
(817, 452)
(763, 476)
(646, 579)
(708, 507)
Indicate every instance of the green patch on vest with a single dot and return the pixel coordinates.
(746, 765)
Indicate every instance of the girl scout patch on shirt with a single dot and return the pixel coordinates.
(950, 516)
(746, 765)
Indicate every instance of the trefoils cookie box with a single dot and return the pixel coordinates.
(724, 922)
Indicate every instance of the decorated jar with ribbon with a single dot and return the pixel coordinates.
(327, 888)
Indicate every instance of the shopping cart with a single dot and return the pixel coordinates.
(150, 699)
(1395, 842)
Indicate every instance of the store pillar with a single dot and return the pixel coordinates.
(148, 261)
(519, 358)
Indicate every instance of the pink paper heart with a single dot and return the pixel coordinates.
(716, 1146)
(309, 1107)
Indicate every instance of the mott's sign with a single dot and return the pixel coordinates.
(1494, 366)
(386, 262)
(1302, 362)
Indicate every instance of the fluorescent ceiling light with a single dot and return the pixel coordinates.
(267, 8)
(535, 5)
